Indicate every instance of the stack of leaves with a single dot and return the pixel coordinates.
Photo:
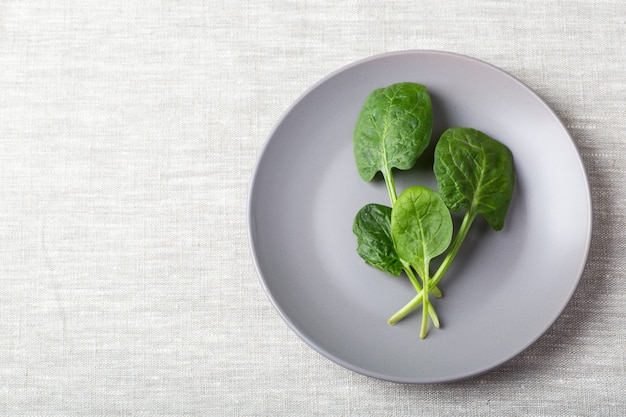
(474, 173)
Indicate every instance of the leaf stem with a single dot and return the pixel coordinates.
(425, 302)
(418, 288)
(404, 311)
(433, 314)
(411, 275)
(468, 219)
(391, 186)
(409, 272)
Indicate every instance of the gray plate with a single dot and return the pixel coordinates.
(504, 289)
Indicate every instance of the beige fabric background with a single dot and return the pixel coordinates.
(129, 132)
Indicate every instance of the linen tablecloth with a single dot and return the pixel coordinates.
(129, 132)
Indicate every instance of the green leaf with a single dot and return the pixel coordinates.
(393, 129)
(374, 244)
(421, 227)
(476, 173)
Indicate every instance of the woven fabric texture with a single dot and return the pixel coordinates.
(129, 132)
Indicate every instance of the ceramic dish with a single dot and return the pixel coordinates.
(504, 289)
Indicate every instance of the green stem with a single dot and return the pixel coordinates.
(433, 314)
(409, 272)
(391, 186)
(468, 219)
(425, 302)
(411, 305)
(404, 311)
(434, 290)
(411, 275)
(418, 288)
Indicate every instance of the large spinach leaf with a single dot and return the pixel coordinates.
(475, 172)
(392, 131)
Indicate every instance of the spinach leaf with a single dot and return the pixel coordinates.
(392, 131)
(475, 172)
(372, 227)
(421, 227)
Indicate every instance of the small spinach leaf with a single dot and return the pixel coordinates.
(421, 226)
(372, 227)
